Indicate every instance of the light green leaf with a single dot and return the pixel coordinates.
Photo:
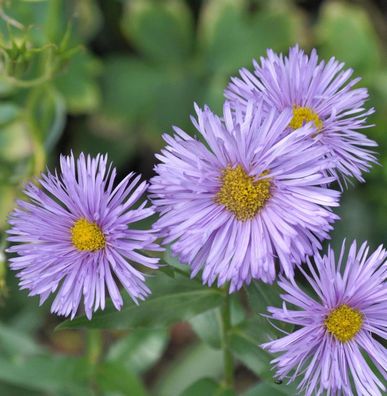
(78, 85)
(139, 350)
(346, 31)
(8, 112)
(208, 324)
(231, 36)
(207, 387)
(161, 30)
(195, 363)
(113, 377)
(49, 113)
(14, 342)
(46, 374)
(267, 389)
(15, 142)
(244, 343)
(224, 34)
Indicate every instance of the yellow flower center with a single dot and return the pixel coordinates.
(344, 322)
(86, 235)
(241, 194)
(302, 115)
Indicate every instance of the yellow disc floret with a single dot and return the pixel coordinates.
(303, 115)
(241, 194)
(344, 322)
(86, 235)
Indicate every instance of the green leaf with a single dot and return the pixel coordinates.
(14, 342)
(138, 351)
(224, 33)
(231, 35)
(207, 387)
(244, 343)
(208, 327)
(113, 377)
(49, 113)
(196, 362)
(276, 28)
(184, 300)
(8, 112)
(346, 31)
(266, 389)
(15, 143)
(78, 84)
(46, 373)
(262, 295)
(129, 87)
(208, 324)
(161, 30)
(174, 262)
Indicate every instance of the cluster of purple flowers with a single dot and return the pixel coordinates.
(250, 196)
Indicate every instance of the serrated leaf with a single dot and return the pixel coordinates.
(161, 30)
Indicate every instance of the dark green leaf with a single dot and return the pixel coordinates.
(184, 300)
(129, 87)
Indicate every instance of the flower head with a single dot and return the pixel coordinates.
(337, 327)
(74, 235)
(317, 92)
(239, 198)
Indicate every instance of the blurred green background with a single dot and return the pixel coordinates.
(112, 76)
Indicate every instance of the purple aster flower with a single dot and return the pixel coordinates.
(74, 235)
(338, 328)
(317, 92)
(239, 198)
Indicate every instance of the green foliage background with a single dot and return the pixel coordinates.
(112, 76)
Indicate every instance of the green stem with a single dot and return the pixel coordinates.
(93, 346)
(227, 355)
